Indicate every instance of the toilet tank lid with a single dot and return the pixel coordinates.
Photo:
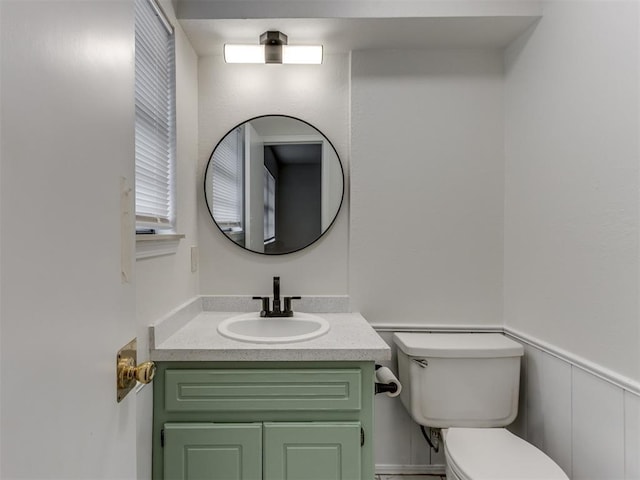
(457, 345)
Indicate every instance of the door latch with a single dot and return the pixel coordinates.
(128, 373)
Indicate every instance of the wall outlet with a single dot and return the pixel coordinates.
(194, 259)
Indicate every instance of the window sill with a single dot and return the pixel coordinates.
(156, 245)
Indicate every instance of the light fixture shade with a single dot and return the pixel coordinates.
(273, 48)
(302, 54)
(244, 53)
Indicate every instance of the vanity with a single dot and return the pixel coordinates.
(237, 409)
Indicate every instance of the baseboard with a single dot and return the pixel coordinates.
(409, 469)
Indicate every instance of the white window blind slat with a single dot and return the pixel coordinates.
(148, 151)
(146, 161)
(148, 114)
(155, 118)
(152, 183)
(151, 197)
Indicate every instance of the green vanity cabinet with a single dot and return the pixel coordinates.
(263, 420)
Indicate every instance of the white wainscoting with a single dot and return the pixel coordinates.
(585, 417)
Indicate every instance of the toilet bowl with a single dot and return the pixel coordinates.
(468, 385)
(495, 454)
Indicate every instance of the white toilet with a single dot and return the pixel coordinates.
(467, 384)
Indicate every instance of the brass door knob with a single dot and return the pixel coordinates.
(128, 372)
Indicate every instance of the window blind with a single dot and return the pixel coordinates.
(155, 117)
(228, 182)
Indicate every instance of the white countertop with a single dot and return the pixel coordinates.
(350, 338)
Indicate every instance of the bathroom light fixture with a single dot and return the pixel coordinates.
(273, 48)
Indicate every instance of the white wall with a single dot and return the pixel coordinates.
(571, 189)
(230, 94)
(166, 282)
(426, 186)
(425, 244)
(572, 96)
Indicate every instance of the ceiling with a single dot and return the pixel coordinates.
(340, 35)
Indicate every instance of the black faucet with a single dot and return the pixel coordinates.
(276, 295)
(277, 310)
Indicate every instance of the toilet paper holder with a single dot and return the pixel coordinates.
(390, 386)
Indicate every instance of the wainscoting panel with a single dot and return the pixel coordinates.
(598, 428)
(557, 411)
(548, 405)
(392, 432)
(534, 392)
(632, 436)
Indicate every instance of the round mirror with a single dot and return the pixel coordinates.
(274, 184)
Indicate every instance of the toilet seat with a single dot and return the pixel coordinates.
(496, 454)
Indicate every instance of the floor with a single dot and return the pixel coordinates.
(410, 477)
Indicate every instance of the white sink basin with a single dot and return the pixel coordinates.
(251, 327)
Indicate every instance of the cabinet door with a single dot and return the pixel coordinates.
(199, 451)
(312, 451)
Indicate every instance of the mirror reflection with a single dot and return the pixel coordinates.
(274, 184)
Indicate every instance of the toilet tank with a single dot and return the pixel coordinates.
(459, 379)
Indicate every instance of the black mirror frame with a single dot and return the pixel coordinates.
(209, 207)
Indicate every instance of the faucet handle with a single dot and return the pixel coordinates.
(287, 305)
(265, 305)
